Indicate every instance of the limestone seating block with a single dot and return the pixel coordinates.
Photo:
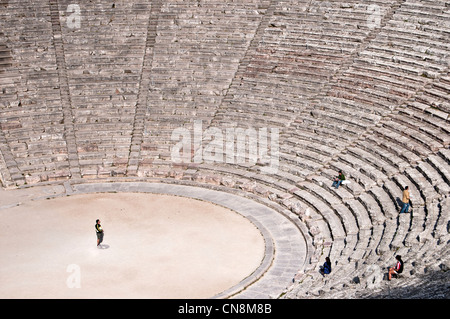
(339, 117)
(412, 238)
(397, 136)
(352, 189)
(402, 230)
(411, 60)
(441, 225)
(433, 107)
(323, 149)
(360, 251)
(297, 161)
(322, 193)
(316, 158)
(305, 129)
(348, 220)
(384, 201)
(432, 126)
(374, 146)
(432, 217)
(361, 215)
(371, 172)
(435, 179)
(368, 76)
(420, 181)
(384, 245)
(323, 209)
(442, 86)
(440, 166)
(445, 155)
(376, 215)
(397, 145)
(382, 166)
(320, 232)
(394, 191)
(288, 176)
(399, 69)
(415, 135)
(366, 66)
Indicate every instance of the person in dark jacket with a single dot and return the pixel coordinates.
(326, 268)
(99, 231)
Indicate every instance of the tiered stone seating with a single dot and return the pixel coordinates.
(391, 68)
(5, 57)
(31, 120)
(197, 52)
(390, 232)
(384, 75)
(370, 100)
(397, 143)
(439, 91)
(104, 61)
(281, 67)
(298, 52)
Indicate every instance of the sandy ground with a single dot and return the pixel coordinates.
(155, 246)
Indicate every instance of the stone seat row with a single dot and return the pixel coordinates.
(368, 81)
(244, 101)
(372, 91)
(379, 147)
(432, 126)
(417, 143)
(433, 99)
(367, 70)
